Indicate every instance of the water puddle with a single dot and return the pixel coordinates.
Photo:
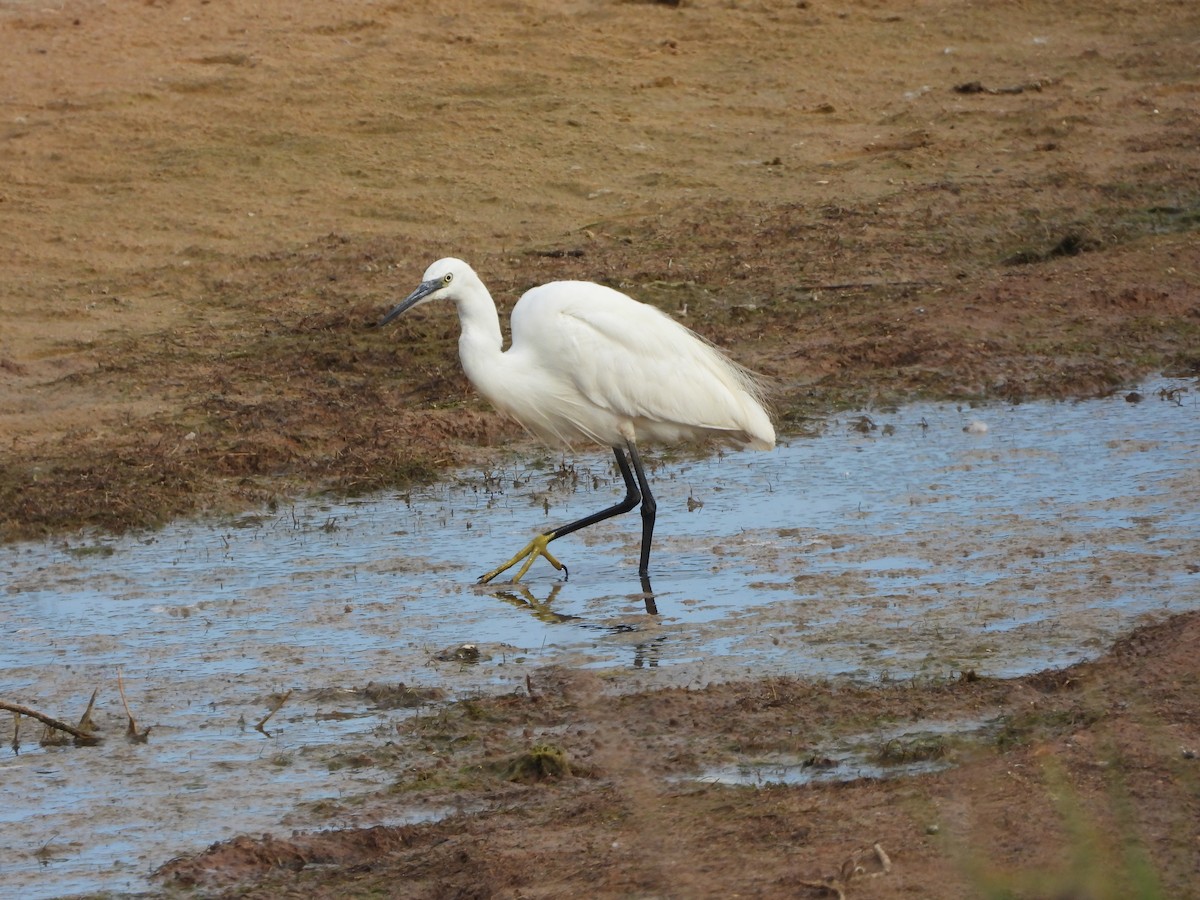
(911, 750)
(836, 767)
(913, 548)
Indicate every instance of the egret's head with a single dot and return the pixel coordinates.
(439, 282)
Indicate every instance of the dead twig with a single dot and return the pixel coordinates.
(976, 87)
(867, 285)
(81, 736)
(85, 721)
(131, 733)
(278, 703)
(868, 862)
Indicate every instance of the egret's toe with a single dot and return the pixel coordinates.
(535, 548)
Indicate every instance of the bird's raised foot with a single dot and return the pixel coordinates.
(532, 550)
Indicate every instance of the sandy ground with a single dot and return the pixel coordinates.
(204, 206)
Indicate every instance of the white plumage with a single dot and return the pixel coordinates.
(590, 364)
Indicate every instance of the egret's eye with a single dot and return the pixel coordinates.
(447, 278)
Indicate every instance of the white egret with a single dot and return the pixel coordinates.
(590, 364)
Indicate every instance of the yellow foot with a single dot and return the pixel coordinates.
(534, 549)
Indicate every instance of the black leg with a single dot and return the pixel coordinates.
(649, 507)
(632, 498)
(636, 491)
(537, 547)
(648, 596)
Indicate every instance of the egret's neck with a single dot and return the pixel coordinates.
(480, 347)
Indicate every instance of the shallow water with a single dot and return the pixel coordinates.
(878, 754)
(914, 549)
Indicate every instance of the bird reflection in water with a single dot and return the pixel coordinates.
(645, 654)
(522, 597)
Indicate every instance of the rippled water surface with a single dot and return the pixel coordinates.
(892, 545)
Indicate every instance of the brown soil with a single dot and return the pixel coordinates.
(204, 206)
(1084, 784)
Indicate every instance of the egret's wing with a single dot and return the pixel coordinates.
(635, 361)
